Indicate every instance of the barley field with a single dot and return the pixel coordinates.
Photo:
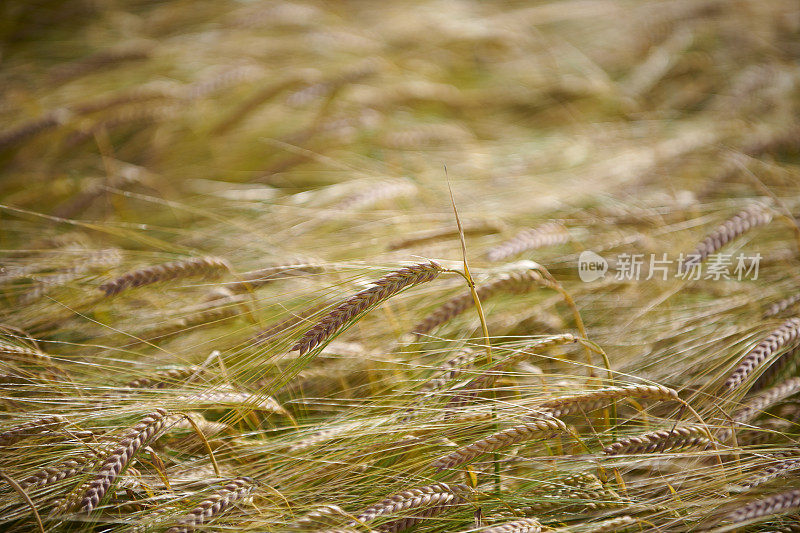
(434, 266)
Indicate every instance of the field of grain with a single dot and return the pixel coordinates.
(434, 266)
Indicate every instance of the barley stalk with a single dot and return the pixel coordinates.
(381, 290)
(738, 225)
(420, 516)
(548, 234)
(66, 469)
(592, 400)
(441, 234)
(450, 370)
(540, 428)
(430, 495)
(232, 398)
(23, 354)
(288, 323)
(34, 427)
(664, 440)
(781, 306)
(612, 524)
(236, 489)
(120, 457)
(164, 378)
(258, 278)
(779, 469)
(524, 525)
(784, 335)
(201, 266)
(772, 505)
(514, 283)
(758, 403)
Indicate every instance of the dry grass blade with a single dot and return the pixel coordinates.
(120, 457)
(201, 266)
(381, 290)
(236, 489)
(540, 428)
(513, 283)
(785, 335)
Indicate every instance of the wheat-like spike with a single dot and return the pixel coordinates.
(589, 401)
(23, 354)
(402, 524)
(236, 489)
(781, 306)
(381, 290)
(258, 278)
(664, 440)
(450, 370)
(612, 524)
(513, 282)
(131, 442)
(106, 58)
(93, 260)
(779, 469)
(776, 504)
(739, 224)
(430, 495)
(34, 127)
(488, 377)
(322, 515)
(761, 401)
(539, 428)
(524, 525)
(201, 266)
(478, 228)
(224, 397)
(143, 114)
(377, 193)
(758, 403)
(548, 234)
(787, 365)
(71, 467)
(785, 335)
(338, 530)
(288, 323)
(213, 313)
(34, 427)
(164, 378)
